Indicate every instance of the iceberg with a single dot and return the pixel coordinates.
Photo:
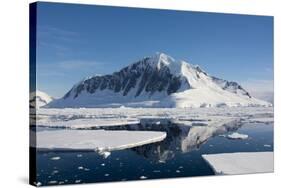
(240, 163)
(101, 141)
(236, 136)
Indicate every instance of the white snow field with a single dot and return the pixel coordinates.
(97, 140)
(241, 163)
(75, 118)
(202, 123)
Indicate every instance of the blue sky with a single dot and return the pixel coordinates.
(76, 41)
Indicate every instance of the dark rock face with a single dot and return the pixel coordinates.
(143, 76)
(234, 86)
(231, 86)
(149, 76)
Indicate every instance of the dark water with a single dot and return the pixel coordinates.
(179, 155)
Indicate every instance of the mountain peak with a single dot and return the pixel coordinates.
(39, 99)
(156, 81)
(163, 56)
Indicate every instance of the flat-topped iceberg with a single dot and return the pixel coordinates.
(88, 123)
(240, 163)
(97, 140)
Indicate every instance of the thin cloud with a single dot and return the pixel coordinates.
(50, 31)
(68, 67)
(259, 85)
(56, 39)
(77, 64)
(261, 89)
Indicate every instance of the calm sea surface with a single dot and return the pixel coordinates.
(176, 156)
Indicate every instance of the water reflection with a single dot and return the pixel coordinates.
(180, 138)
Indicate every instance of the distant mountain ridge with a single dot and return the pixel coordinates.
(39, 99)
(157, 81)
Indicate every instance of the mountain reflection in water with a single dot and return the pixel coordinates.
(180, 138)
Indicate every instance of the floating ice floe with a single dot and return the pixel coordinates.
(87, 123)
(52, 182)
(240, 163)
(236, 135)
(98, 140)
(87, 118)
(78, 181)
(143, 177)
(105, 154)
(38, 184)
(55, 158)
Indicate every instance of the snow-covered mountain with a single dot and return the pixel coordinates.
(157, 81)
(39, 99)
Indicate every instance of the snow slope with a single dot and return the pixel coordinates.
(157, 81)
(39, 99)
(241, 163)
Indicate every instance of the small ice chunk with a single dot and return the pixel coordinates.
(106, 175)
(102, 164)
(55, 172)
(237, 136)
(105, 154)
(143, 177)
(52, 182)
(55, 158)
(77, 181)
(79, 155)
(38, 183)
(178, 171)
(80, 167)
(267, 145)
(158, 123)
